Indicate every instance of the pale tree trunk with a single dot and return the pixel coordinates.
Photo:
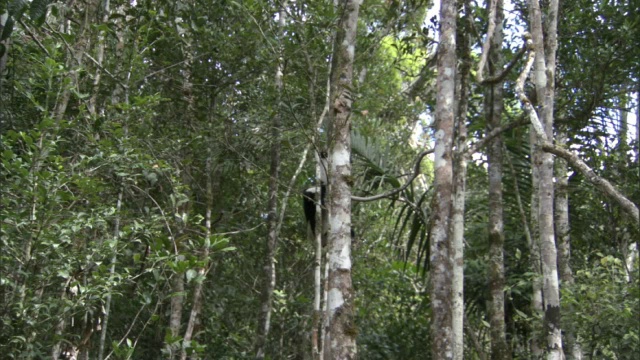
(629, 246)
(74, 56)
(99, 57)
(562, 213)
(115, 98)
(544, 80)
(459, 191)
(178, 280)
(493, 106)
(3, 59)
(633, 248)
(319, 237)
(442, 346)
(340, 342)
(73, 62)
(562, 234)
(324, 329)
(638, 124)
(537, 348)
(321, 219)
(175, 315)
(212, 185)
(264, 321)
(112, 270)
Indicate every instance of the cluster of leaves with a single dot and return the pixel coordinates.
(108, 205)
(605, 304)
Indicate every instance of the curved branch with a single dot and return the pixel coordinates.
(499, 77)
(416, 172)
(495, 132)
(599, 182)
(573, 159)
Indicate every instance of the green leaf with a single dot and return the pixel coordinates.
(17, 7)
(38, 11)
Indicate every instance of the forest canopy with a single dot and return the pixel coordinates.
(471, 170)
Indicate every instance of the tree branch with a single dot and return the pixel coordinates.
(416, 172)
(495, 132)
(599, 182)
(499, 77)
(573, 159)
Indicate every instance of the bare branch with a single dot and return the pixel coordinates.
(33, 37)
(499, 77)
(599, 182)
(495, 132)
(416, 172)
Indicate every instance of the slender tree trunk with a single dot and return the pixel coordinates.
(99, 57)
(534, 248)
(544, 80)
(213, 184)
(562, 214)
(112, 270)
(316, 339)
(459, 192)
(562, 234)
(341, 337)
(442, 341)
(5, 56)
(264, 321)
(319, 237)
(493, 113)
(74, 57)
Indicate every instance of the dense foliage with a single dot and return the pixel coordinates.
(134, 157)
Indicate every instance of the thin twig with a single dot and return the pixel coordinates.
(33, 37)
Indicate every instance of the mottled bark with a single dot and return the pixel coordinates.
(459, 187)
(340, 340)
(562, 214)
(537, 347)
(440, 255)
(264, 320)
(175, 315)
(563, 237)
(493, 112)
(316, 339)
(544, 47)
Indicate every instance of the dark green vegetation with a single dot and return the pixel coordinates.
(123, 127)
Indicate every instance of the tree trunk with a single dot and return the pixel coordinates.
(264, 321)
(562, 234)
(212, 185)
(459, 192)
(544, 79)
(99, 57)
(562, 214)
(112, 269)
(340, 340)
(534, 248)
(493, 113)
(440, 261)
(316, 339)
